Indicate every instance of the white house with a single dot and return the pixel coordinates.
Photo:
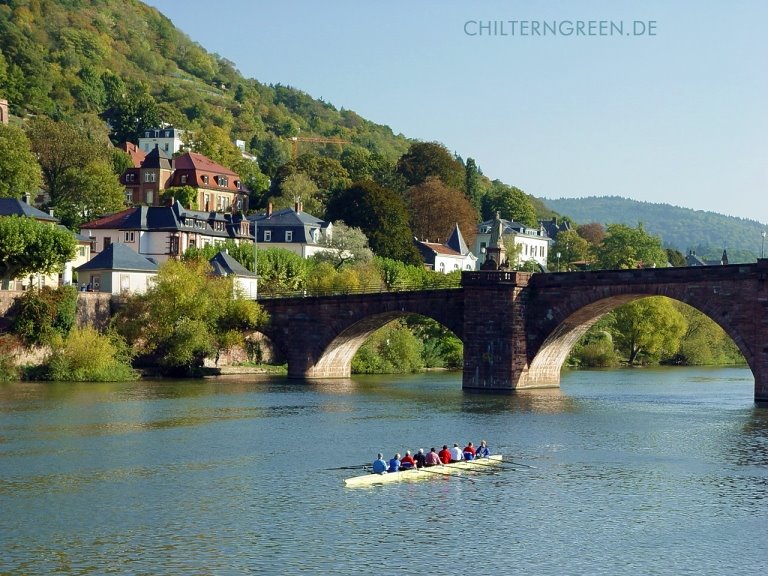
(245, 281)
(528, 243)
(291, 229)
(168, 139)
(117, 269)
(448, 257)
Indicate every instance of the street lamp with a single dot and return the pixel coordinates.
(762, 246)
(558, 261)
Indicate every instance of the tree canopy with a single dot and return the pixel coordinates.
(19, 171)
(382, 216)
(28, 247)
(626, 247)
(431, 160)
(435, 210)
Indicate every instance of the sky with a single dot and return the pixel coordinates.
(657, 101)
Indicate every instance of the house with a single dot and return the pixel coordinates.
(168, 139)
(17, 207)
(245, 281)
(525, 244)
(163, 232)
(116, 270)
(218, 188)
(291, 229)
(691, 259)
(145, 183)
(552, 227)
(445, 258)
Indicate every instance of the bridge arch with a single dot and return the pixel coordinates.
(320, 336)
(578, 311)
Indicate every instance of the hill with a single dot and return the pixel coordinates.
(76, 59)
(707, 233)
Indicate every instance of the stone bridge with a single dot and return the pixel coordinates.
(517, 327)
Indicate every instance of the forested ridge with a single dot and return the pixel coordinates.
(705, 233)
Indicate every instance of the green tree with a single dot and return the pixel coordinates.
(89, 192)
(133, 115)
(85, 355)
(186, 195)
(28, 246)
(626, 247)
(186, 316)
(382, 216)
(346, 245)
(675, 257)
(704, 342)
(19, 171)
(60, 147)
(431, 159)
(511, 203)
(571, 247)
(648, 329)
(299, 187)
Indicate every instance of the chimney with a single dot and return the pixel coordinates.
(297, 206)
(50, 212)
(269, 209)
(27, 197)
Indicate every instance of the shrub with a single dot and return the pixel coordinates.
(39, 315)
(87, 356)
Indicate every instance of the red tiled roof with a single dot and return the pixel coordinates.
(195, 161)
(440, 249)
(137, 154)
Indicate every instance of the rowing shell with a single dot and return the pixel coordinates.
(421, 473)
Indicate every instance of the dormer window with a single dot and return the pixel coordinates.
(150, 177)
(183, 178)
(222, 181)
(205, 179)
(289, 236)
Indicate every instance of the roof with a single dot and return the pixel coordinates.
(119, 256)
(511, 227)
(195, 161)
(170, 218)
(16, 207)
(436, 248)
(300, 223)
(224, 265)
(137, 154)
(456, 241)
(157, 158)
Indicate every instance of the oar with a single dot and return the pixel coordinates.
(513, 463)
(425, 469)
(350, 467)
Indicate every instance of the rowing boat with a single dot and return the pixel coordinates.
(419, 473)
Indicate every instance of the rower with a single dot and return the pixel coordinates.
(394, 463)
(380, 465)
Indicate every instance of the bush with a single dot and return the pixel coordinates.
(87, 356)
(8, 369)
(40, 315)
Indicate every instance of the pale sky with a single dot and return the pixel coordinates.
(660, 101)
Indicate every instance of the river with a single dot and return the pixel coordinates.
(643, 471)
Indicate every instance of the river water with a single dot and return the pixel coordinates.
(631, 472)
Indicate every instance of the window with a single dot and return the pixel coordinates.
(207, 202)
(166, 147)
(442, 267)
(289, 236)
(130, 177)
(82, 251)
(129, 236)
(183, 178)
(150, 197)
(150, 177)
(128, 196)
(173, 245)
(267, 235)
(107, 242)
(205, 179)
(125, 282)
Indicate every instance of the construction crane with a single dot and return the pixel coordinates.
(321, 140)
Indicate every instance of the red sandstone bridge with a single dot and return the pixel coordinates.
(517, 327)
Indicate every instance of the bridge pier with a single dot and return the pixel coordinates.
(495, 343)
